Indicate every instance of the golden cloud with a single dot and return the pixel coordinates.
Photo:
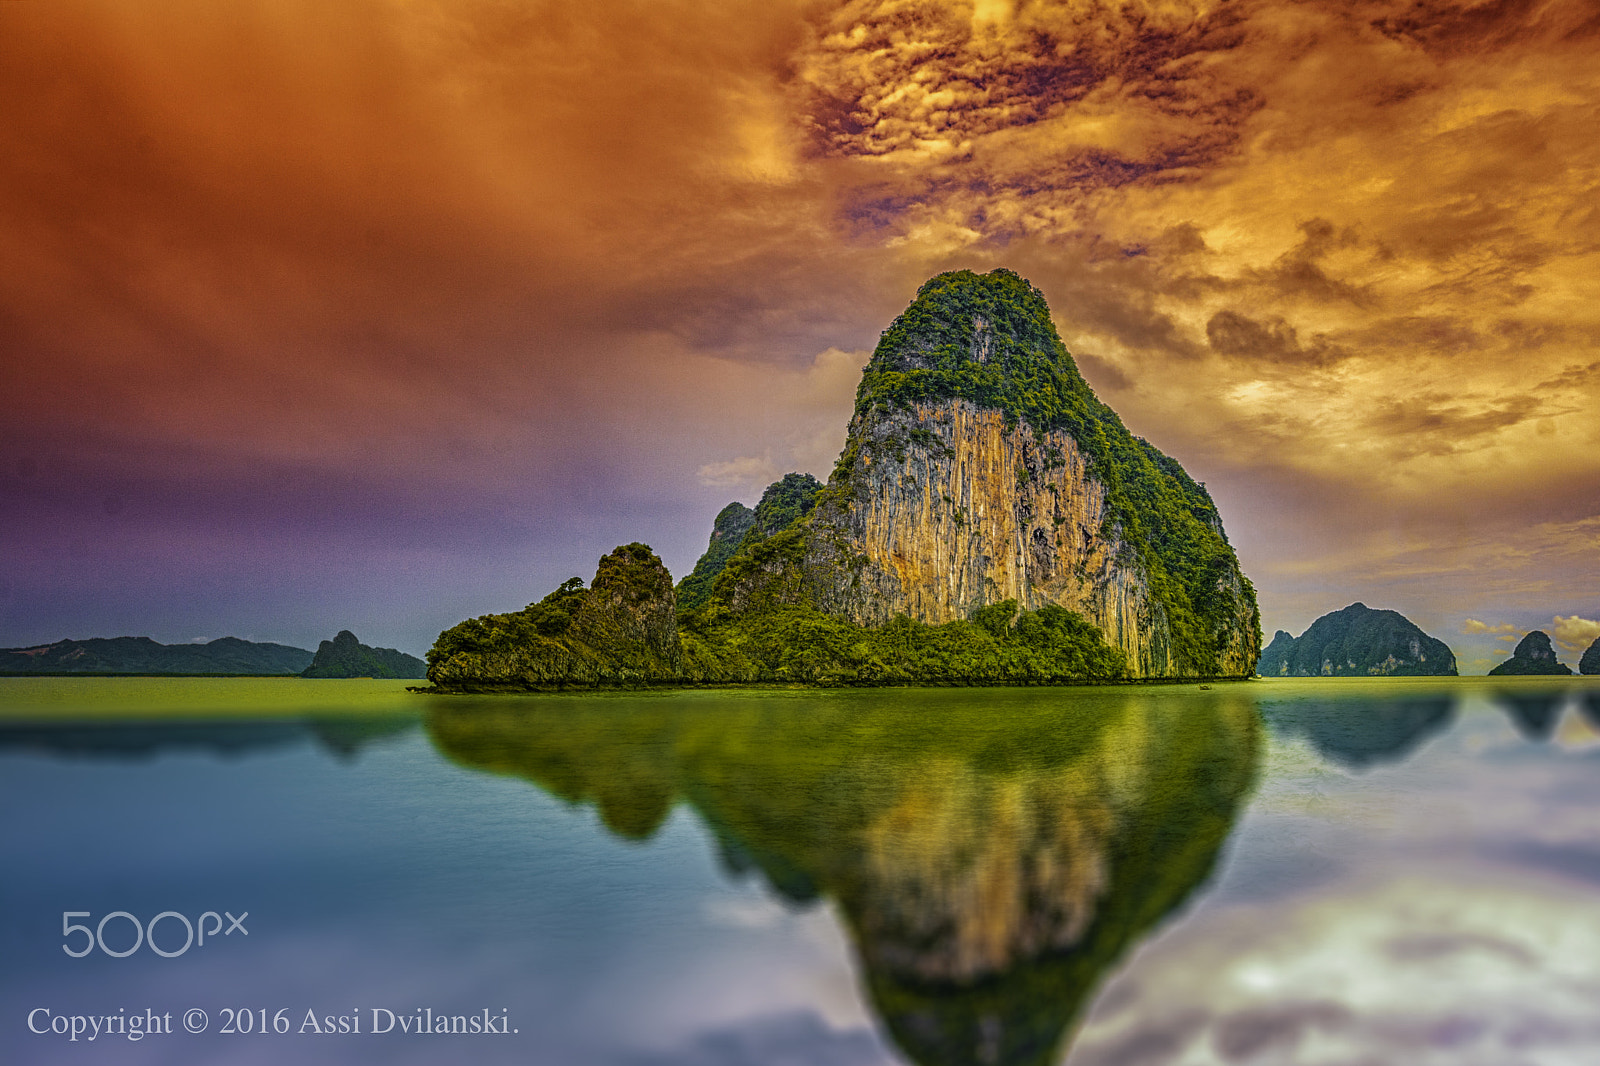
(1574, 634)
(1340, 258)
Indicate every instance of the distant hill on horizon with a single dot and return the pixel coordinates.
(345, 656)
(142, 655)
(1357, 642)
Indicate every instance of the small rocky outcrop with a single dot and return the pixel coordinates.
(1358, 642)
(621, 631)
(345, 656)
(1534, 656)
(785, 502)
(1274, 660)
(727, 533)
(1590, 663)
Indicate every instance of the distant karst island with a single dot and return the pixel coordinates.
(1357, 642)
(345, 656)
(988, 521)
(1534, 656)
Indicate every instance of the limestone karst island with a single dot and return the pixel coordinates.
(989, 521)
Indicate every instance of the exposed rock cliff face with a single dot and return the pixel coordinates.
(988, 522)
(979, 467)
(1534, 655)
(950, 509)
(1358, 642)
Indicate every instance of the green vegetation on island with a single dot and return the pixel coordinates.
(1024, 370)
(1590, 663)
(1358, 642)
(998, 645)
(727, 533)
(785, 502)
(623, 631)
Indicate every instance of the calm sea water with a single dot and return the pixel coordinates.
(1288, 871)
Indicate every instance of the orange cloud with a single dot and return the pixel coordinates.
(1338, 258)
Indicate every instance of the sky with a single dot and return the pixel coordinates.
(380, 314)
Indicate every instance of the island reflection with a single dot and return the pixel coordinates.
(1535, 714)
(1358, 731)
(344, 737)
(993, 853)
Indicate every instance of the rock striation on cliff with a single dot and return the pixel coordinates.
(979, 467)
(988, 521)
(1358, 642)
(1533, 656)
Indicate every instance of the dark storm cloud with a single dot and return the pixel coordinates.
(1449, 27)
(1246, 1034)
(1156, 1041)
(1273, 341)
(1438, 424)
(889, 76)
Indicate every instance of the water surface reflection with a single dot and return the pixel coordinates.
(992, 857)
(1362, 732)
(1535, 714)
(343, 737)
(1292, 871)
